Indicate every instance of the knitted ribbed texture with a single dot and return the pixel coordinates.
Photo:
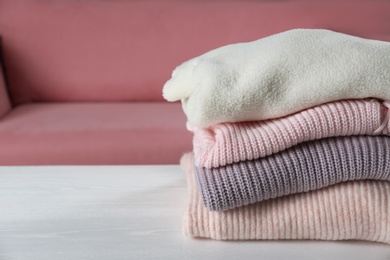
(358, 210)
(304, 167)
(227, 143)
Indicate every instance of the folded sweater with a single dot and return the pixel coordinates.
(226, 143)
(358, 210)
(308, 166)
(279, 75)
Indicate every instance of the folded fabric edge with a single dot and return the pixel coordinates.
(305, 167)
(198, 222)
(209, 151)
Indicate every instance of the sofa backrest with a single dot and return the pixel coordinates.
(118, 50)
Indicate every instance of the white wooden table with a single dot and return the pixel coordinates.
(125, 212)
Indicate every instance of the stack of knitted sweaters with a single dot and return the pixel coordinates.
(290, 138)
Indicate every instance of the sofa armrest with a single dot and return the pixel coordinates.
(5, 103)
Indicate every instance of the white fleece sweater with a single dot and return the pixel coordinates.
(279, 75)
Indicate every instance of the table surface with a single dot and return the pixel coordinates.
(126, 212)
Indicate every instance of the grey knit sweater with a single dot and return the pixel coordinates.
(304, 167)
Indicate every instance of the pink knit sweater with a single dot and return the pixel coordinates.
(358, 210)
(227, 143)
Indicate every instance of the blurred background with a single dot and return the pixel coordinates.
(81, 80)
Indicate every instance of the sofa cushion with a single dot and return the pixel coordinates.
(94, 133)
(62, 50)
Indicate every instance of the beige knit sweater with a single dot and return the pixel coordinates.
(357, 210)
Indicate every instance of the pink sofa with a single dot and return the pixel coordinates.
(82, 79)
